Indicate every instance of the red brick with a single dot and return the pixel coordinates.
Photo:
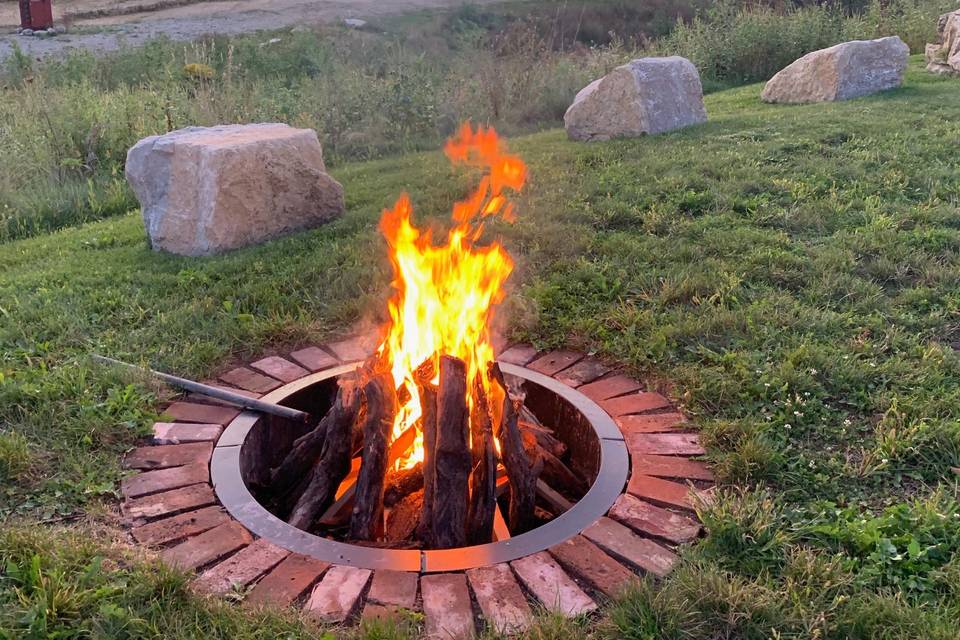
(397, 588)
(520, 355)
(670, 467)
(652, 423)
(280, 368)
(662, 492)
(288, 581)
(168, 455)
(204, 413)
(609, 387)
(181, 526)
(205, 399)
(169, 502)
(593, 566)
(353, 349)
(164, 480)
(587, 370)
(555, 590)
(314, 358)
(625, 545)
(654, 521)
(208, 547)
(635, 403)
(555, 362)
(446, 606)
(500, 598)
(336, 597)
(664, 444)
(250, 380)
(177, 432)
(381, 612)
(241, 568)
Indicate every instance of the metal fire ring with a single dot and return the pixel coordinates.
(234, 495)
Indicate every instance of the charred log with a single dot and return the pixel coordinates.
(483, 480)
(380, 399)
(334, 462)
(428, 425)
(404, 518)
(521, 470)
(399, 484)
(452, 459)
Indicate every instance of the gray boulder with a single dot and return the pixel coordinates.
(207, 190)
(841, 72)
(944, 56)
(645, 96)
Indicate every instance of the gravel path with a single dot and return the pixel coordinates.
(191, 21)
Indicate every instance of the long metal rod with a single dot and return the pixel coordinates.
(215, 392)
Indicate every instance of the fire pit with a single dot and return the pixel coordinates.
(594, 447)
(431, 463)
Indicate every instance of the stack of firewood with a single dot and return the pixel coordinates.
(339, 479)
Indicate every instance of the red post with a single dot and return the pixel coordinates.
(41, 14)
(25, 14)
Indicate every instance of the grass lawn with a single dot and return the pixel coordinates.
(790, 275)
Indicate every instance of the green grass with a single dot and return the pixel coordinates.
(789, 275)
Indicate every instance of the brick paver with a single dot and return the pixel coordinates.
(164, 480)
(635, 403)
(208, 547)
(554, 362)
(670, 467)
(653, 520)
(652, 423)
(398, 588)
(609, 387)
(519, 355)
(203, 413)
(241, 568)
(551, 585)
(624, 544)
(583, 372)
(500, 598)
(169, 502)
(287, 582)
(353, 349)
(337, 595)
(179, 432)
(314, 358)
(593, 566)
(446, 606)
(662, 492)
(169, 455)
(664, 444)
(181, 526)
(250, 380)
(280, 368)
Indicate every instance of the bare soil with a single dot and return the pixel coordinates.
(106, 25)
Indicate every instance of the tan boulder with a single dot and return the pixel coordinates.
(841, 72)
(645, 96)
(203, 191)
(944, 56)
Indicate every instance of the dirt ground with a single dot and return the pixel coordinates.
(105, 25)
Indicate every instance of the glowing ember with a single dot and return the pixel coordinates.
(444, 293)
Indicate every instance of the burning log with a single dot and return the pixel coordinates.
(483, 480)
(381, 405)
(404, 518)
(428, 425)
(334, 462)
(308, 447)
(452, 458)
(530, 423)
(554, 471)
(521, 469)
(401, 483)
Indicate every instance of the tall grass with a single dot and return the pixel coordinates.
(732, 43)
(65, 126)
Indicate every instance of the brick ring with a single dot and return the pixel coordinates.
(171, 505)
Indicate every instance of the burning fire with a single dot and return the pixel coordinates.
(444, 293)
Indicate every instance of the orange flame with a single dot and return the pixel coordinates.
(444, 294)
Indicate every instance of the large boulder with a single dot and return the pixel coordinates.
(645, 96)
(944, 56)
(843, 71)
(207, 190)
